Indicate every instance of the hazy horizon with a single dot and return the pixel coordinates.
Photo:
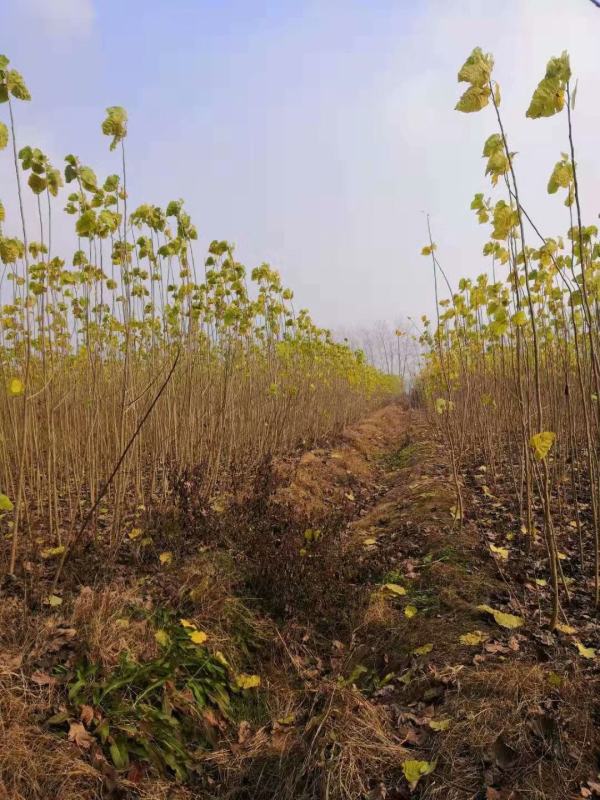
(313, 135)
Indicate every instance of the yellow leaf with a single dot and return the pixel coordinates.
(247, 681)
(500, 551)
(440, 724)
(52, 552)
(162, 637)
(395, 588)
(217, 505)
(221, 658)
(541, 444)
(370, 541)
(541, 581)
(414, 770)
(423, 650)
(586, 652)
(554, 680)
(5, 503)
(53, 600)
(409, 611)
(135, 533)
(197, 637)
(473, 639)
(16, 387)
(501, 618)
(560, 626)
(186, 623)
(165, 558)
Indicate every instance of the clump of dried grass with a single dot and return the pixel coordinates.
(512, 729)
(109, 623)
(35, 764)
(355, 747)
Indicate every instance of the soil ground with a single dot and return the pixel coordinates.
(343, 580)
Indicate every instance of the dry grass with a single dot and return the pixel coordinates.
(512, 730)
(35, 764)
(107, 626)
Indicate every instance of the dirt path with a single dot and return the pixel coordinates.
(497, 704)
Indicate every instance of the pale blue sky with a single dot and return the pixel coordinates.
(313, 134)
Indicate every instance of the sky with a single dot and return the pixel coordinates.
(316, 134)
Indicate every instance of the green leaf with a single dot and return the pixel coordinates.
(119, 755)
(88, 179)
(519, 319)
(86, 224)
(36, 183)
(549, 96)
(562, 176)
(16, 85)
(548, 99)
(541, 444)
(477, 69)
(115, 124)
(474, 99)
(3, 136)
(505, 218)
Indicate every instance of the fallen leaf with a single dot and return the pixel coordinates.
(555, 680)
(43, 679)
(563, 628)
(162, 637)
(52, 552)
(79, 735)
(414, 770)
(165, 558)
(53, 600)
(504, 754)
(244, 731)
(395, 588)
(410, 611)
(440, 724)
(473, 639)
(86, 715)
(586, 652)
(423, 650)
(135, 533)
(502, 552)
(247, 681)
(501, 618)
(185, 623)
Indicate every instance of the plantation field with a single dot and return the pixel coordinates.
(239, 560)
